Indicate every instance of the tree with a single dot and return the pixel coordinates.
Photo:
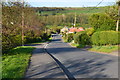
(102, 22)
(12, 21)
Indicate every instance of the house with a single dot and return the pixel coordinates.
(65, 29)
(73, 29)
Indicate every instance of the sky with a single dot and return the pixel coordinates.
(69, 3)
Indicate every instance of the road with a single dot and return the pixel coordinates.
(42, 65)
(79, 63)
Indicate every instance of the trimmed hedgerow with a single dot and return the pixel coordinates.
(105, 38)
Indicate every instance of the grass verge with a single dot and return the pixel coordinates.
(106, 49)
(15, 62)
(77, 45)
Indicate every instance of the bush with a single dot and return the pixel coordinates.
(105, 38)
(32, 39)
(10, 41)
(45, 36)
(82, 38)
(69, 37)
(64, 36)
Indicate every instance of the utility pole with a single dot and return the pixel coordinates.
(118, 21)
(22, 23)
(75, 20)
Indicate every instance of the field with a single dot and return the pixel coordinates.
(88, 10)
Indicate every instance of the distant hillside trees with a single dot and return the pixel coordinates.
(61, 20)
(49, 9)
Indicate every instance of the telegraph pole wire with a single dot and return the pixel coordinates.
(96, 5)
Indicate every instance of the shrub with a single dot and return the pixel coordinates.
(69, 37)
(64, 36)
(10, 41)
(32, 39)
(45, 36)
(105, 38)
(82, 38)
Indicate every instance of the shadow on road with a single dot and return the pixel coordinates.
(82, 63)
(87, 68)
(46, 71)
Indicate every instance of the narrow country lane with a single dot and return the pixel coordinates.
(81, 63)
(42, 65)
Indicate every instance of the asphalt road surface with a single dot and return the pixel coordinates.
(79, 63)
(42, 65)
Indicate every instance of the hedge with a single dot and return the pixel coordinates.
(105, 38)
(82, 38)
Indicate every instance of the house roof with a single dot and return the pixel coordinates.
(76, 29)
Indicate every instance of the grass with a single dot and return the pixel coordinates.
(15, 62)
(77, 45)
(106, 49)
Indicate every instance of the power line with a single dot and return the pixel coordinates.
(99, 3)
(96, 5)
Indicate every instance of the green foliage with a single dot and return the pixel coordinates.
(102, 22)
(64, 36)
(112, 11)
(69, 37)
(82, 38)
(55, 29)
(45, 36)
(32, 39)
(10, 41)
(12, 28)
(105, 38)
(66, 11)
(90, 31)
(14, 63)
(62, 20)
(108, 48)
(77, 45)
